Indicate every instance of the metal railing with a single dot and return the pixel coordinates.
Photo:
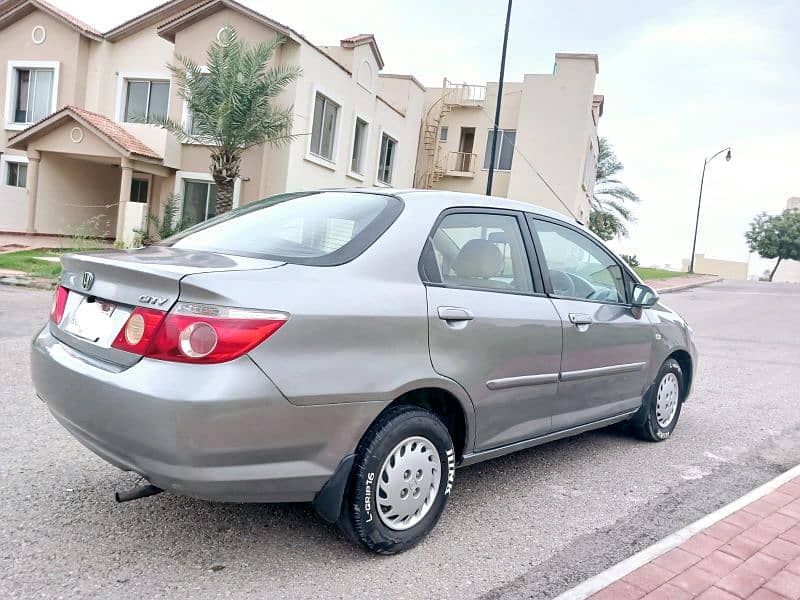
(463, 94)
(462, 162)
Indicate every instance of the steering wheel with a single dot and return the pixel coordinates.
(562, 283)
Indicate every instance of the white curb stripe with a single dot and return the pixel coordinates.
(620, 570)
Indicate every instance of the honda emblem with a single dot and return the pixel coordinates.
(87, 280)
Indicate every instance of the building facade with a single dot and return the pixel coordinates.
(79, 158)
(547, 140)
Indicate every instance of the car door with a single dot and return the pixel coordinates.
(606, 344)
(491, 327)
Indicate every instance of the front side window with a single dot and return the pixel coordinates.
(504, 155)
(145, 101)
(318, 228)
(579, 268)
(16, 174)
(199, 201)
(359, 147)
(478, 251)
(386, 159)
(323, 130)
(33, 95)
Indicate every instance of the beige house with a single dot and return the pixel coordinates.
(77, 158)
(547, 142)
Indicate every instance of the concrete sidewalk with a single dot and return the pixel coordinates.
(677, 284)
(750, 549)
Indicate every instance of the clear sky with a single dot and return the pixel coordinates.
(682, 79)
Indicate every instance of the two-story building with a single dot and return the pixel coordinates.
(547, 139)
(77, 155)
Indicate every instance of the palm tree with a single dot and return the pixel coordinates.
(230, 104)
(609, 211)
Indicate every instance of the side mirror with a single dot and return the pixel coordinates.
(643, 296)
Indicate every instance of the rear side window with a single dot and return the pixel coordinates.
(478, 251)
(323, 228)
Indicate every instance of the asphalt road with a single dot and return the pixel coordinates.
(526, 525)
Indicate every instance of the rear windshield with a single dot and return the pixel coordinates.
(320, 228)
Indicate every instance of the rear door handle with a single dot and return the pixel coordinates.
(580, 320)
(454, 313)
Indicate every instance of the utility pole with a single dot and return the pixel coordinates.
(493, 153)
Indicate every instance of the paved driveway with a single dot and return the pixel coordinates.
(529, 524)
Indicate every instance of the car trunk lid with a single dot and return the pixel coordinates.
(106, 286)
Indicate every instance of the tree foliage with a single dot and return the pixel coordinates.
(231, 104)
(160, 228)
(610, 197)
(775, 236)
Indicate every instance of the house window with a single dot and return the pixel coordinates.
(386, 160)
(359, 146)
(33, 94)
(199, 202)
(443, 134)
(139, 190)
(16, 174)
(589, 169)
(323, 131)
(145, 101)
(505, 149)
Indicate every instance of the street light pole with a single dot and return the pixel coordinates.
(700, 199)
(493, 153)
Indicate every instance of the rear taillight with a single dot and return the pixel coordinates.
(139, 330)
(59, 303)
(197, 333)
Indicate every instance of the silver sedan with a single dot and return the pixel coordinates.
(352, 348)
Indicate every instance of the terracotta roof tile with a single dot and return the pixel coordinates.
(116, 132)
(103, 125)
(10, 5)
(360, 38)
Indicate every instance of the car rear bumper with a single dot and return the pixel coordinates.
(218, 432)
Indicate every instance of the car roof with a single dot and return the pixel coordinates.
(454, 199)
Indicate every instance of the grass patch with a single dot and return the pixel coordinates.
(652, 273)
(25, 260)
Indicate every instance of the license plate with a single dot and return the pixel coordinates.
(91, 320)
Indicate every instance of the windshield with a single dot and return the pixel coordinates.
(320, 228)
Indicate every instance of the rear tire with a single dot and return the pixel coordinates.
(658, 416)
(400, 482)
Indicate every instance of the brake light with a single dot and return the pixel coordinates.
(59, 303)
(197, 333)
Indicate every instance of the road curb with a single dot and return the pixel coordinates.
(27, 282)
(621, 569)
(688, 286)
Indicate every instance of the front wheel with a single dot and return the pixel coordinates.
(662, 405)
(401, 479)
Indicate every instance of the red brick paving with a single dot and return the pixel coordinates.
(753, 554)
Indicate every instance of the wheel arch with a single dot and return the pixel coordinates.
(684, 359)
(443, 398)
(448, 407)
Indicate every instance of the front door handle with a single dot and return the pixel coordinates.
(454, 313)
(580, 320)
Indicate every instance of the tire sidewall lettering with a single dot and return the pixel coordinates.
(369, 491)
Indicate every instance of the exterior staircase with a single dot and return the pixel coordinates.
(453, 95)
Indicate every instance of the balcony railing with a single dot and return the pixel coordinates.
(463, 94)
(461, 164)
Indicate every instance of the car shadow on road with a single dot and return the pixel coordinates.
(290, 537)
